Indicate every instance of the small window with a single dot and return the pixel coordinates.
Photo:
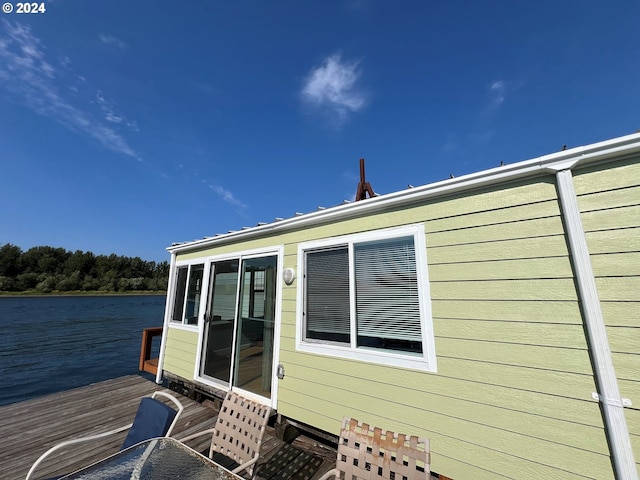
(327, 308)
(178, 301)
(367, 297)
(186, 303)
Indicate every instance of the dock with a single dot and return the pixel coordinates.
(29, 428)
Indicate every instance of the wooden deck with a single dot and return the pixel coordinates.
(29, 428)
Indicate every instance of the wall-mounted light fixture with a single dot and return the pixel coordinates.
(289, 275)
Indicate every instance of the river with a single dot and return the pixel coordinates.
(50, 344)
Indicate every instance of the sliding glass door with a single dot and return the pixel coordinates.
(219, 321)
(256, 316)
(238, 340)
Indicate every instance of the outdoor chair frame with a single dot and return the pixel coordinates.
(139, 436)
(370, 453)
(238, 432)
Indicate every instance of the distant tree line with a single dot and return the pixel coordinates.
(50, 270)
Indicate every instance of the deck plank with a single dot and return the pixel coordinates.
(29, 428)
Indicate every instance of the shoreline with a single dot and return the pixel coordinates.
(81, 294)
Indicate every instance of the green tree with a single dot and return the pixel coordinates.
(27, 281)
(47, 269)
(10, 260)
(81, 262)
(90, 283)
(52, 260)
(68, 283)
(30, 259)
(7, 284)
(48, 283)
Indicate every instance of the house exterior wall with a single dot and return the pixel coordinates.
(514, 382)
(511, 397)
(609, 200)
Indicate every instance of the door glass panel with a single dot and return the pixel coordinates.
(219, 321)
(254, 341)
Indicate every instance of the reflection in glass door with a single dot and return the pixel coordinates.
(219, 321)
(256, 315)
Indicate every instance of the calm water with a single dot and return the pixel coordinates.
(49, 344)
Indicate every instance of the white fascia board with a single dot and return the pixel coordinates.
(549, 164)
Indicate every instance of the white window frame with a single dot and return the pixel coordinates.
(174, 286)
(425, 361)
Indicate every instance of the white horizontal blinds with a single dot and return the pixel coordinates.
(387, 303)
(327, 300)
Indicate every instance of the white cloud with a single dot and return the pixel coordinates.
(225, 194)
(332, 86)
(110, 114)
(28, 75)
(497, 91)
(111, 40)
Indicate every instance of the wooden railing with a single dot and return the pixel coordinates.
(148, 364)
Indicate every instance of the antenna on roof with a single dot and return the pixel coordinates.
(363, 186)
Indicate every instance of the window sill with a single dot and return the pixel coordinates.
(408, 361)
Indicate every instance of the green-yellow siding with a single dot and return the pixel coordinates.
(512, 394)
(609, 201)
(180, 352)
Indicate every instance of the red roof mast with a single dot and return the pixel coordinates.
(363, 186)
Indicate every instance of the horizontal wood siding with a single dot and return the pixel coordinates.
(512, 395)
(609, 201)
(180, 353)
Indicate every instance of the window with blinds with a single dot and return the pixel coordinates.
(387, 303)
(364, 294)
(327, 299)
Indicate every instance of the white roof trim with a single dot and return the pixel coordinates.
(552, 163)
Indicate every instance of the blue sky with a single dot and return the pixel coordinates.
(126, 126)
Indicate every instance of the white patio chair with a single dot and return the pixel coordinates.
(153, 419)
(237, 435)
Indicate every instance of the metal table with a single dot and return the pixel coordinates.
(156, 459)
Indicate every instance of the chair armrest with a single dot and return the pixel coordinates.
(209, 431)
(331, 473)
(72, 442)
(240, 468)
